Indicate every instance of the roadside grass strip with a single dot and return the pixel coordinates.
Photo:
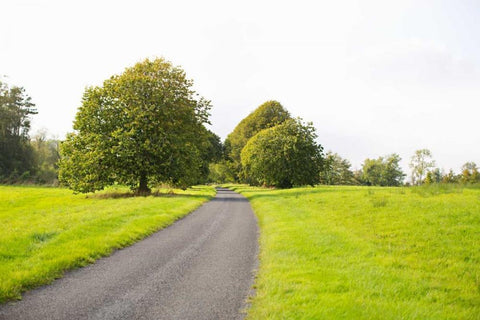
(46, 231)
(339, 252)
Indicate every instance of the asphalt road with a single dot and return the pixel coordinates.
(201, 267)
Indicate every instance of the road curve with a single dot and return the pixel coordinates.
(201, 267)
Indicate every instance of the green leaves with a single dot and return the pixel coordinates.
(420, 163)
(269, 114)
(283, 156)
(146, 122)
(470, 173)
(270, 148)
(336, 171)
(16, 155)
(384, 171)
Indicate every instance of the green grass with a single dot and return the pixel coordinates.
(367, 253)
(45, 231)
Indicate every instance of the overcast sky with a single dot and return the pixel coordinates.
(375, 77)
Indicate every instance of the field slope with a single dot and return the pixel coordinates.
(48, 230)
(367, 253)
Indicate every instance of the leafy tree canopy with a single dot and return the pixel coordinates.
(434, 176)
(16, 155)
(221, 172)
(451, 177)
(46, 152)
(384, 171)
(214, 147)
(283, 156)
(141, 127)
(420, 163)
(470, 173)
(336, 170)
(269, 114)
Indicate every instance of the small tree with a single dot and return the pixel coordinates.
(433, 176)
(336, 170)
(420, 163)
(372, 172)
(384, 171)
(393, 174)
(142, 127)
(450, 177)
(470, 173)
(283, 156)
(46, 153)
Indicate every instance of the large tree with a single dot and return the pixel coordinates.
(267, 115)
(283, 156)
(141, 127)
(16, 155)
(420, 163)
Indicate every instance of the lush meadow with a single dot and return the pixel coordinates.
(367, 253)
(45, 231)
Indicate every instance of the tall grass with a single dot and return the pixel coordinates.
(45, 231)
(367, 253)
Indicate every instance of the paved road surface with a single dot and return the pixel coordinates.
(201, 267)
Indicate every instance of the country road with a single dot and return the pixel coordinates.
(201, 267)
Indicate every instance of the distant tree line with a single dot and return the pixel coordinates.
(23, 159)
(383, 171)
(386, 171)
(146, 127)
(254, 153)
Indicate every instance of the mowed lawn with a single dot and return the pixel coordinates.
(367, 253)
(45, 231)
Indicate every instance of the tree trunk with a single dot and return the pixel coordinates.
(143, 188)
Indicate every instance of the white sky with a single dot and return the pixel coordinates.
(375, 77)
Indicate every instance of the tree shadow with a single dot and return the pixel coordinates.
(155, 194)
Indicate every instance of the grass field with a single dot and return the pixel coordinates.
(45, 231)
(367, 253)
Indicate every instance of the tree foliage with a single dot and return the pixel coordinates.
(141, 127)
(470, 173)
(267, 115)
(336, 170)
(214, 147)
(433, 176)
(451, 177)
(283, 156)
(46, 156)
(420, 163)
(384, 171)
(221, 172)
(211, 151)
(16, 155)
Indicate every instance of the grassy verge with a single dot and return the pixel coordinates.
(367, 253)
(46, 231)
